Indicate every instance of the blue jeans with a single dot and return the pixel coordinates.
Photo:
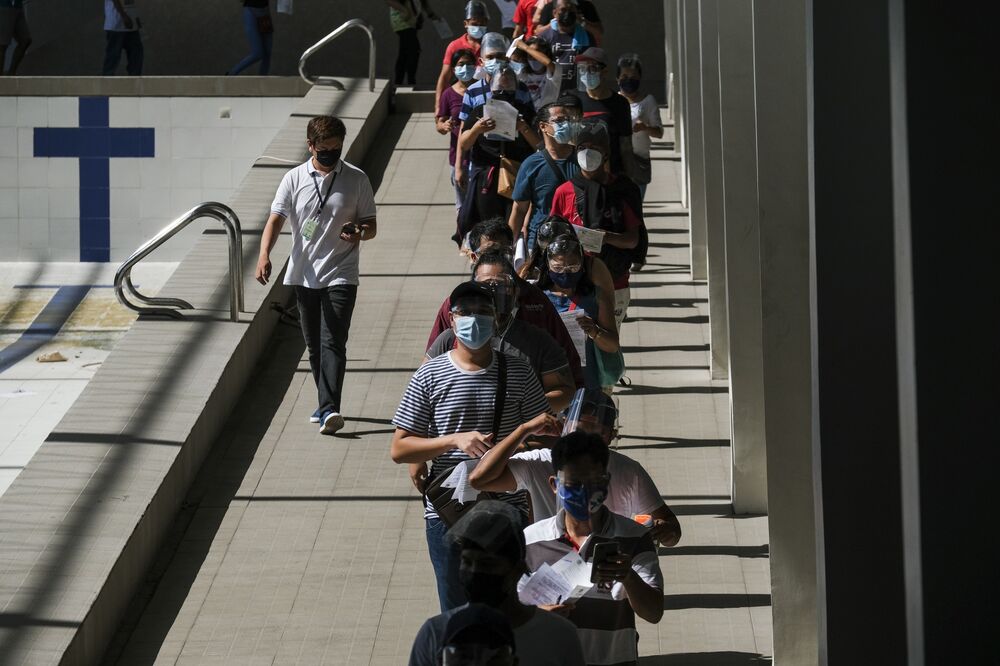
(445, 559)
(642, 191)
(128, 41)
(260, 45)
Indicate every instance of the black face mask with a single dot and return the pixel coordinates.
(328, 158)
(629, 86)
(483, 588)
(567, 19)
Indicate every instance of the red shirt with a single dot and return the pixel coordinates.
(534, 308)
(564, 203)
(462, 42)
(523, 16)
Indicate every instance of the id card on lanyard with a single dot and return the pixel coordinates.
(309, 228)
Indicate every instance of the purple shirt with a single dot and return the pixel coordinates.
(451, 105)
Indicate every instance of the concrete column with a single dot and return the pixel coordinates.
(742, 251)
(781, 65)
(680, 120)
(694, 150)
(714, 215)
(670, 46)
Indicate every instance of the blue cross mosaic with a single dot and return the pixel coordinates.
(94, 143)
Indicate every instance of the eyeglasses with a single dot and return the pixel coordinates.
(498, 281)
(570, 268)
(590, 69)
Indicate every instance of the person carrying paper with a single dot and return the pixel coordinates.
(605, 618)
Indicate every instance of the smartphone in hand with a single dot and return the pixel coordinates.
(349, 228)
(603, 552)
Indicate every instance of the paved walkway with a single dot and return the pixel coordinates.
(296, 548)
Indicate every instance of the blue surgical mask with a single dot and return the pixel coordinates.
(564, 131)
(580, 501)
(590, 80)
(474, 331)
(492, 66)
(518, 67)
(465, 73)
(536, 67)
(566, 280)
(476, 31)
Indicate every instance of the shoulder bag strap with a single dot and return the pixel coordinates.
(501, 394)
(555, 167)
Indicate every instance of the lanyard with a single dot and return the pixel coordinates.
(323, 199)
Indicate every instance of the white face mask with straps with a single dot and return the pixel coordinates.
(589, 159)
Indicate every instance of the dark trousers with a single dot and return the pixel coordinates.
(325, 316)
(445, 558)
(408, 56)
(118, 41)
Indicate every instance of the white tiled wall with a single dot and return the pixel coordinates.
(199, 157)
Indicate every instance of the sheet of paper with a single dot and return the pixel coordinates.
(576, 333)
(505, 116)
(544, 586)
(513, 47)
(592, 240)
(444, 30)
(459, 480)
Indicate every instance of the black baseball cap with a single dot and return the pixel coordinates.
(494, 527)
(471, 291)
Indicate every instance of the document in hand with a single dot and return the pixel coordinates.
(459, 480)
(576, 333)
(505, 116)
(565, 581)
(592, 240)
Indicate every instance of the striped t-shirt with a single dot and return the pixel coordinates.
(443, 399)
(604, 619)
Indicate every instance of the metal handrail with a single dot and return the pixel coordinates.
(213, 209)
(328, 81)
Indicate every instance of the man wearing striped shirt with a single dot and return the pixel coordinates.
(629, 583)
(447, 411)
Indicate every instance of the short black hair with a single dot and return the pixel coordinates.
(461, 53)
(539, 44)
(577, 445)
(630, 60)
(493, 228)
(566, 102)
(494, 258)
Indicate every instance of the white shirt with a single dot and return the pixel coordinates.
(113, 20)
(325, 260)
(631, 491)
(646, 111)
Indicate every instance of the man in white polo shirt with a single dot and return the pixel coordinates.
(331, 208)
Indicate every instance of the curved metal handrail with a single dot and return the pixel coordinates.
(328, 81)
(231, 223)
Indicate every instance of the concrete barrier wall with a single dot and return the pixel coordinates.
(206, 37)
(180, 151)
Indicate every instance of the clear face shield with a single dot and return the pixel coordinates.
(504, 82)
(591, 411)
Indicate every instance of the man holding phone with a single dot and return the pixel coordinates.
(626, 570)
(331, 208)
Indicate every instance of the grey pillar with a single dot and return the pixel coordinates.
(670, 46)
(714, 215)
(694, 149)
(746, 362)
(781, 65)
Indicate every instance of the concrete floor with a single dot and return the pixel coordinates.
(34, 396)
(299, 548)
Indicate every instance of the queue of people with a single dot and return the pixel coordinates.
(508, 425)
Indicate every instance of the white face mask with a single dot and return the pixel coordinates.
(589, 159)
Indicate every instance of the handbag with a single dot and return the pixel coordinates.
(449, 509)
(507, 177)
(610, 366)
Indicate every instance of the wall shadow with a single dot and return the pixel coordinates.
(641, 389)
(213, 489)
(750, 552)
(682, 601)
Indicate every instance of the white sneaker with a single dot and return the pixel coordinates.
(332, 422)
